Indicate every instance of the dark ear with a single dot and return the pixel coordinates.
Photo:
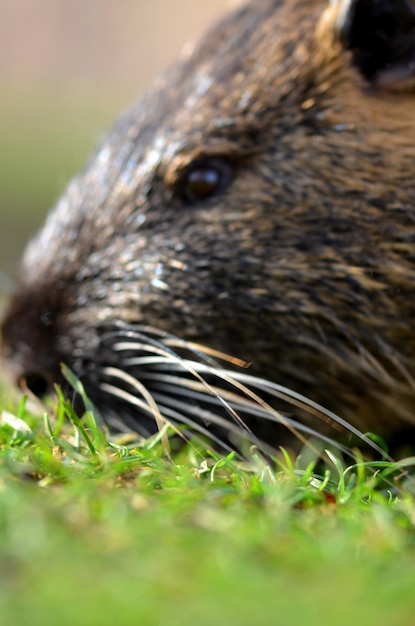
(381, 36)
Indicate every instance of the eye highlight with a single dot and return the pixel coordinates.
(204, 179)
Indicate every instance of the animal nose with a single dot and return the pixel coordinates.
(35, 382)
(28, 346)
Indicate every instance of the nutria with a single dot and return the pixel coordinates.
(259, 201)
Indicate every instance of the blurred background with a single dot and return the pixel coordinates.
(67, 69)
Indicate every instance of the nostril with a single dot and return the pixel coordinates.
(35, 382)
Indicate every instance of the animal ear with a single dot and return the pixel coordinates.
(381, 37)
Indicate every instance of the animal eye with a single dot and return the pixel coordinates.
(205, 179)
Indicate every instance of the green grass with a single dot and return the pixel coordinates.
(95, 531)
(98, 531)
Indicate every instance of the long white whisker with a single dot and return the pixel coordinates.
(154, 374)
(278, 391)
(169, 416)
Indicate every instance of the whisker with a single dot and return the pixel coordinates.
(174, 381)
(143, 391)
(187, 365)
(242, 406)
(208, 417)
(272, 389)
(170, 417)
(192, 389)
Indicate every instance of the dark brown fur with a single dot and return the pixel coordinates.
(305, 265)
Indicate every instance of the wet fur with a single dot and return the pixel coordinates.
(304, 266)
